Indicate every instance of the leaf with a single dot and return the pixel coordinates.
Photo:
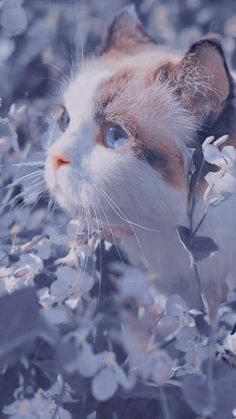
(229, 343)
(56, 315)
(32, 261)
(133, 283)
(13, 18)
(44, 249)
(185, 338)
(88, 362)
(198, 247)
(104, 384)
(20, 312)
(48, 367)
(196, 391)
(86, 282)
(66, 278)
(229, 154)
(66, 356)
(8, 136)
(176, 307)
(162, 368)
(120, 376)
(196, 394)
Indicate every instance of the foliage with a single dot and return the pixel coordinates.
(80, 338)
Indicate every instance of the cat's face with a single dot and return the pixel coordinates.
(119, 137)
(126, 122)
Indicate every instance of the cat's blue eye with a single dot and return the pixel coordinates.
(63, 119)
(115, 137)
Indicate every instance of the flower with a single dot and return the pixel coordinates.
(38, 408)
(70, 283)
(222, 181)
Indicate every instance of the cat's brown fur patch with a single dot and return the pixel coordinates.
(143, 110)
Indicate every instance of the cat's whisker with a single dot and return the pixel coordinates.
(20, 195)
(100, 262)
(122, 215)
(94, 257)
(26, 200)
(30, 199)
(54, 205)
(72, 246)
(20, 179)
(58, 84)
(62, 72)
(34, 163)
(77, 58)
(50, 203)
(113, 236)
(109, 202)
(88, 233)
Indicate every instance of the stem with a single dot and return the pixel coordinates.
(210, 377)
(200, 222)
(201, 291)
(59, 401)
(4, 257)
(164, 403)
(194, 231)
(194, 195)
(210, 366)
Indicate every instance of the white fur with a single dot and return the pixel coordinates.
(129, 193)
(77, 142)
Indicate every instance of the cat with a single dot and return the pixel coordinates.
(128, 120)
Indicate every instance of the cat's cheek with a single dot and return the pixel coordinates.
(50, 175)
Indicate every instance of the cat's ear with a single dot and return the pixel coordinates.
(125, 32)
(203, 79)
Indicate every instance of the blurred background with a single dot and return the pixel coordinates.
(39, 39)
(40, 42)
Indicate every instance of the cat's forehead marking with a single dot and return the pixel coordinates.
(81, 91)
(110, 88)
(149, 112)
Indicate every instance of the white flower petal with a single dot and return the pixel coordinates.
(227, 184)
(207, 141)
(86, 282)
(221, 140)
(56, 315)
(212, 178)
(229, 154)
(104, 384)
(162, 368)
(67, 275)
(207, 193)
(88, 362)
(33, 261)
(211, 154)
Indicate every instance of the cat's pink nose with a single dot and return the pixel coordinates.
(59, 161)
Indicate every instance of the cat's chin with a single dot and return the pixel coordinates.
(67, 204)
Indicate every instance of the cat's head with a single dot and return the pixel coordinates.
(126, 122)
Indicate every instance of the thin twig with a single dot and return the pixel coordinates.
(194, 195)
(201, 291)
